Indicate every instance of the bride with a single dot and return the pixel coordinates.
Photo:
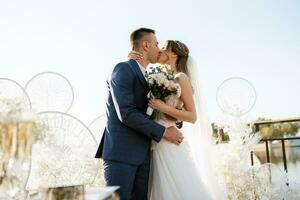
(183, 172)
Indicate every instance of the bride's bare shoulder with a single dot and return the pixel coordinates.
(182, 78)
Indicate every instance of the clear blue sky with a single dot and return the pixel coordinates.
(258, 40)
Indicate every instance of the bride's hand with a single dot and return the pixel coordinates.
(157, 104)
(135, 55)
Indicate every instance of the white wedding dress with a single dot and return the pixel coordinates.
(174, 172)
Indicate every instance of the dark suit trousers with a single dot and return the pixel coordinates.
(132, 179)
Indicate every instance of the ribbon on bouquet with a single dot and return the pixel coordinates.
(150, 110)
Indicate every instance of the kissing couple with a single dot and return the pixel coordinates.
(149, 157)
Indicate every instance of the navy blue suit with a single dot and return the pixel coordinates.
(125, 145)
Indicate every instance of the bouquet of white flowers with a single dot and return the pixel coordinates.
(162, 83)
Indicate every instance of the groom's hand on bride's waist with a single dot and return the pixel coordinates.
(173, 135)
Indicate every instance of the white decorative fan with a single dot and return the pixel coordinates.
(65, 156)
(11, 93)
(236, 96)
(50, 91)
(97, 127)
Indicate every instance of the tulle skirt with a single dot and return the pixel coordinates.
(174, 175)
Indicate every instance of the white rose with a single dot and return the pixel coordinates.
(150, 81)
(160, 79)
(166, 83)
(172, 85)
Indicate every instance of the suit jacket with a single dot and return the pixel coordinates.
(128, 132)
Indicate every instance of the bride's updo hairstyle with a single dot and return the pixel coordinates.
(182, 51)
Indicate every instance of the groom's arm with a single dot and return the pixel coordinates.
(122, 91)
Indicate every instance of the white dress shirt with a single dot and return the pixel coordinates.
(143, 69)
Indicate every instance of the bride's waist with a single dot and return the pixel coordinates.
(165, 122)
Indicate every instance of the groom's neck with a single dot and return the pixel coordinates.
(144, 63)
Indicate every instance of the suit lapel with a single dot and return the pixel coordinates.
(139, 73)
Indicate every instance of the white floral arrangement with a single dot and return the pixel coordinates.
(162, 83)
(241, 180)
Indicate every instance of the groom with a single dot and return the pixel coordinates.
(125, 145)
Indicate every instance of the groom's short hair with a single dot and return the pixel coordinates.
(138, 34)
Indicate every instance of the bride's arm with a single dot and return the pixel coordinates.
(189, 113)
